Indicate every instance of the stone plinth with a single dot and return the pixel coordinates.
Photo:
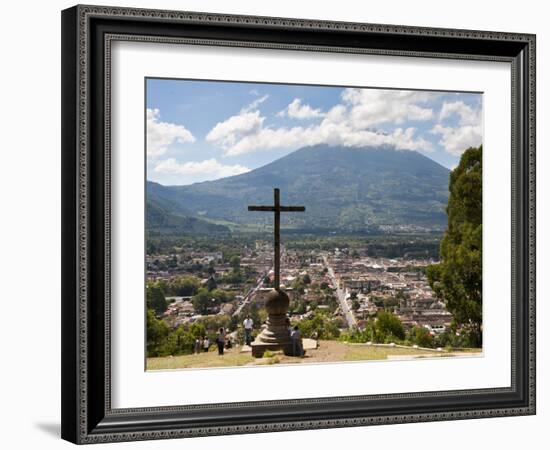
(276, 334)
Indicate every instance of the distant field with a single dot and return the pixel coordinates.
(328, 351)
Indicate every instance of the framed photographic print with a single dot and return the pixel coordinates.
(282, 224)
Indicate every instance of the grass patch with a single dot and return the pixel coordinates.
(328, 351)
(368, 353)
(210, 359)
(464, 350)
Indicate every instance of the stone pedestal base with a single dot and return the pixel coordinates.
(258, 348)
(274, 337)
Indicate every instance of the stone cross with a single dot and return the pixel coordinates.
(277, 209)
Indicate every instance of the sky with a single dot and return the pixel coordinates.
(205, 130)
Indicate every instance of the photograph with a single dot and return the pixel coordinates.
(310, 224)
(277, 222)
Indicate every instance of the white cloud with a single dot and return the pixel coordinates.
(326, 133)
(226, 134)
(456, 140)
(371, 107)
(344, 124)
(296, 110)
(468, 133)
(160, 135)
(207, 169)
(254, 105)
(466, 114)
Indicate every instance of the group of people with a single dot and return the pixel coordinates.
(222, 340)
(295, 335)
(296, 338)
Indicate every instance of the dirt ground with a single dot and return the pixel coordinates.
(327, 351)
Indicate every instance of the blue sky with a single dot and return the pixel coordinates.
(205, 130)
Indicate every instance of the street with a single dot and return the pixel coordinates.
(341, 295)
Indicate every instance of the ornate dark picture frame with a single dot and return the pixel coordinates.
(87, 34)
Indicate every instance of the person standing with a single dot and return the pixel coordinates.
(201, 344)
(197, 348)
(296, 336)
(205, 344)
(248, 324)
(220, 340)
(228, 343)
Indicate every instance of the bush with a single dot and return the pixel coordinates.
(213, 323)
(157, 333)
(388, 325)
(385, 329)
(321, 324)
(449, 339)
(421, 337)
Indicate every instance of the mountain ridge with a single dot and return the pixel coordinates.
(345, 189)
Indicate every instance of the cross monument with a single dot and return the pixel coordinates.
(275, 336)
(277, 209)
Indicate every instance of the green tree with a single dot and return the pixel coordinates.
(298, 285)
(151, 248)
(457, 278)
(172, 262)
(156, 299)
(213, 323)
(180, 341)
(390, 302)
(232, 277)
(157, 332)
(378, 301)
(235, 262)
(321, 324)
(202, 300)
(219, 295)
(211, 284)
(298, 307)
(421, 337)
(184, 285)
(250, 272)
(197, 330)
(389, 326)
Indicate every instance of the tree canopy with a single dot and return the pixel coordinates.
(389, 326)
(320, 324)
(457, 278)
(202, 301)
(184, 285)
(235, 262)
(156, 299)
